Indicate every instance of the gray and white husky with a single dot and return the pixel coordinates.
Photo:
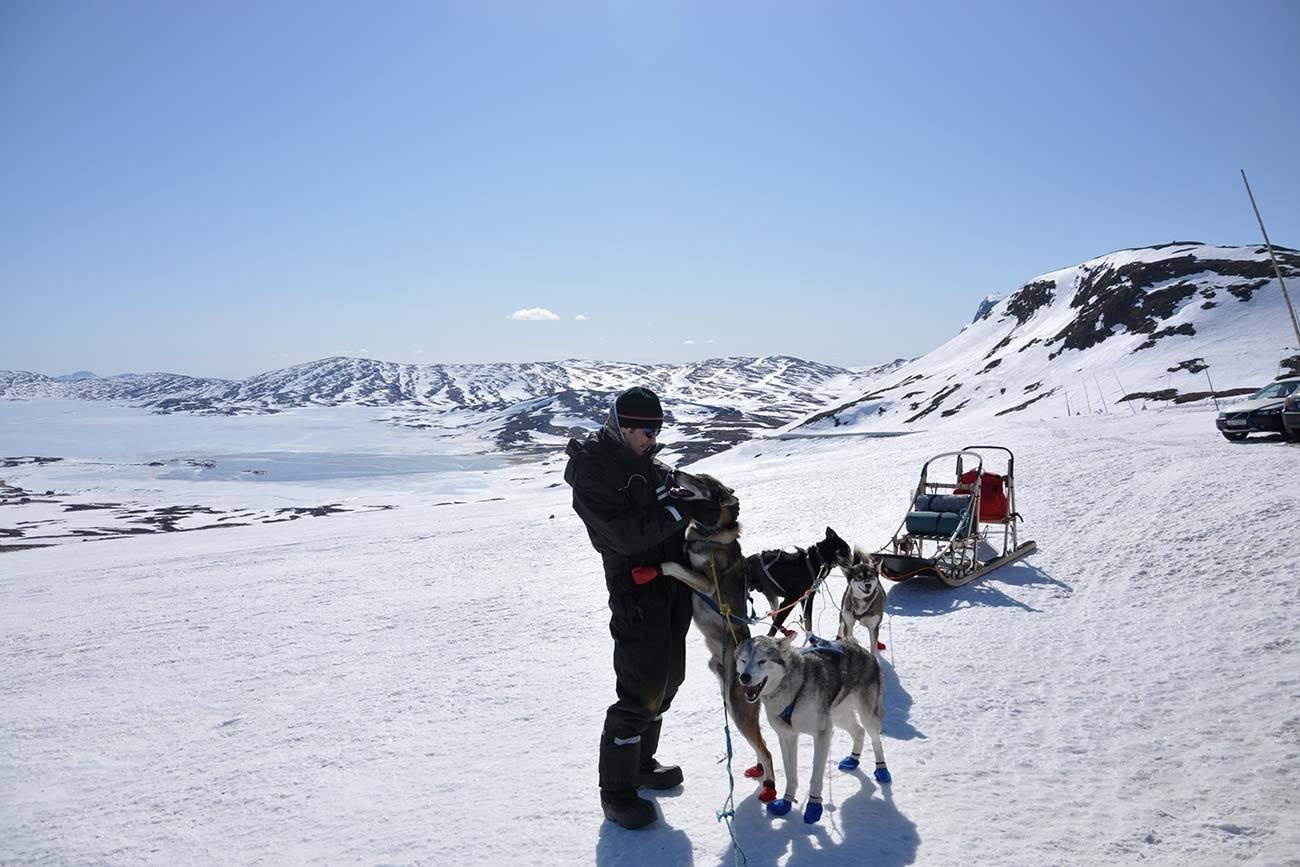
(717, 573)
(864, 598)
(811, 691)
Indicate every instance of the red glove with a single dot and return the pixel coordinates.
(645, 574)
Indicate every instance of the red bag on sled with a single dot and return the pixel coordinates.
(993, 494)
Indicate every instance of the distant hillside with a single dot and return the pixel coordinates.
(1143, 324)
(528, 407)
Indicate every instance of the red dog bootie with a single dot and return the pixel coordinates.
(768, 793)
(755, 773)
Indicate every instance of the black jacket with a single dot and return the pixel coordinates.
(623, 500)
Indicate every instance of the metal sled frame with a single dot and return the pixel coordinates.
(955, 558)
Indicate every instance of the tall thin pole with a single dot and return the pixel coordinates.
(1276, 269)
(1213, 396)
(1085, 396)
(1100, 395)
(1124, 393)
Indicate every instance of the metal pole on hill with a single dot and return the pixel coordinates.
(1105, 408)
(1276, 269)
(1124, 393)
(1214, 397)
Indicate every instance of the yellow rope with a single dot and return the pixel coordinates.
(722, 606)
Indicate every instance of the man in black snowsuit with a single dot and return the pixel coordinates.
(622, 494)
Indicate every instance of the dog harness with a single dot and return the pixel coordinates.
(735, 620)
(817, 645)
(769, 558)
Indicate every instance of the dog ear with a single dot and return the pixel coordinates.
(787, 637)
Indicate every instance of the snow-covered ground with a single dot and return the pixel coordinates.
(426, 684)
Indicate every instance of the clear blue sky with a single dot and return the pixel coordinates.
(225, 188)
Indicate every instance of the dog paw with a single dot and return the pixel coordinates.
(882, 775)
(812, 813)
(756, 772)
(779, 808)
(848, 763)
(767, 794)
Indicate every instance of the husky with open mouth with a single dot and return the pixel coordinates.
(717, 574)
(811, 691)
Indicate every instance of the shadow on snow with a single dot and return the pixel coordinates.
(657, 844)
(930, 597)
(873, 830)
(898, 707)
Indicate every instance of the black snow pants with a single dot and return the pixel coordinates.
(649, 628)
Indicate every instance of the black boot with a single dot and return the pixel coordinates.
(618, 781)
(626, 808)
(651, 774)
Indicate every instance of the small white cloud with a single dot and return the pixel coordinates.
(532, 314)
(710, 340)
(417, 351)
(581, 317)
(688, 342)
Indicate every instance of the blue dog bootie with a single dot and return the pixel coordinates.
(882, 773)
(779, 807)
(849, 763)
(812, 813)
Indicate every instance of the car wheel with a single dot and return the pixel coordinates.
(1233, 437)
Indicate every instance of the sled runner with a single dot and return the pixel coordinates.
(951, 529)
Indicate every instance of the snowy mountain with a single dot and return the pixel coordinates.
(711, 405)
(1154, 323)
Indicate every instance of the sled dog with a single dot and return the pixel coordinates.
(864, 598)
(810, 691)
(784, 576)
(717, 574)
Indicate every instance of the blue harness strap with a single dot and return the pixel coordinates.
(822, 645)
(735, 620)
(816, 645)
(788, 712)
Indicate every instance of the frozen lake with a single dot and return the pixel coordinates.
(307, 444)
(74, 470)
(319, 466)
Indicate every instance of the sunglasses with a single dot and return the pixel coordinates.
(651, 431)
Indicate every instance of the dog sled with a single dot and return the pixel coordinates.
(952, 530)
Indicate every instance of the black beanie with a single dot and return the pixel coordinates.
(639, 407)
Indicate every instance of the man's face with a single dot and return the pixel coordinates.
(640, 439)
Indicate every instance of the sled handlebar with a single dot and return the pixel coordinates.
(1011, 459)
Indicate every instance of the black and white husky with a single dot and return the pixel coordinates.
(864, 598)
(809, 692)
(717, 574)
(785, 576)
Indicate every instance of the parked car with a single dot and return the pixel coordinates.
(1291, 416)
(1259, 413)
